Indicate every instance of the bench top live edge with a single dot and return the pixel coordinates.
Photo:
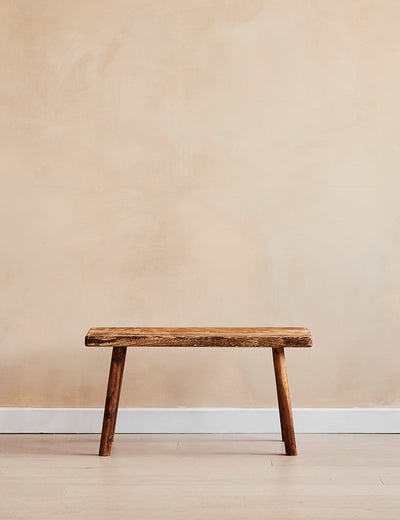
(273, 337)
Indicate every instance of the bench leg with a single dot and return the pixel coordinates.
(112, 399)
(285, 408)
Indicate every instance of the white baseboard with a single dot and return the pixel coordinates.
(200, 420)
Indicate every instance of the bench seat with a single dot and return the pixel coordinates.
(273, 337)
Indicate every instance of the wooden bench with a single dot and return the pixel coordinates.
(277, 338)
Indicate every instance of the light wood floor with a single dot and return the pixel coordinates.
(190, 477)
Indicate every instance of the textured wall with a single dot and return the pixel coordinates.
(192, 162)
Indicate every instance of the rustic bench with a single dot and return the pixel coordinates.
(120, 338)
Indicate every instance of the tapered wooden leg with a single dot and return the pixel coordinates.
(285, 407)
(112, 399)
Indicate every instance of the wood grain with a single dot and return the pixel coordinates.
(200, 477)
(274, 337)
(112, 399)
(285, 408)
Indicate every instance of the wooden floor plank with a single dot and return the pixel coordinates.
(181, 477)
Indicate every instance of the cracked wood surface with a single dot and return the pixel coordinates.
(274, 337)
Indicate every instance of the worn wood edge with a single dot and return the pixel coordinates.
(131, 342)
(304, 341)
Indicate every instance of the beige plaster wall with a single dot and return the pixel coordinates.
(191, 162)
